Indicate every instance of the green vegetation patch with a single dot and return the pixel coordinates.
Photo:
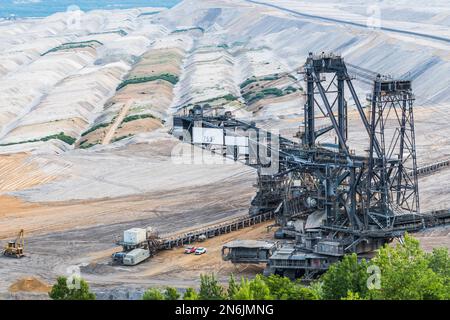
(189, 29)
(254, 79)
(247, 82)
(74, 45)
(60, 136)
(171, 78)
(404, 272)
(121, 138)
(121, 32)
(228, 97)
(137, 117)
(64, 290)
(94, 128)
(251, 97)
(85, 145)
(271, 78)
(148, 13)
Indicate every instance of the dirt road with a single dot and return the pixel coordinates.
(123, 113)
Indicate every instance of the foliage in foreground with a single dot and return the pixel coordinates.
(61, 291)
(403, 272)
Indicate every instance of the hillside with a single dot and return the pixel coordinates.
(85, 112)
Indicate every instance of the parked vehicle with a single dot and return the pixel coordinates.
(200, 251)
(190, 250)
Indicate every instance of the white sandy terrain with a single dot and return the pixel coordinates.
(61, 98)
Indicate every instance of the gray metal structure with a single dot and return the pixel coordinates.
(248, 251)
(330, 199)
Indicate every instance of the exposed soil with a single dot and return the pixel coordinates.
(30, 284)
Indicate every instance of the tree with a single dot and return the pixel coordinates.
(77, 290)
(280, 287)
(406, 273)
(344, 276)
(171, 294)
(190, 294)
(298, 292)
(210, 289)
(153, 294)
(352, 296)
(439, 262)
(317, 287)
(233, 287)
(260, 289)
(244, 292)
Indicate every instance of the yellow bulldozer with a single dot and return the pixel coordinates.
(15, 248)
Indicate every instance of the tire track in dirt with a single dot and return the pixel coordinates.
(116, 124)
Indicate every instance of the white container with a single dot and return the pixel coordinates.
(134, 236)
(135, 257)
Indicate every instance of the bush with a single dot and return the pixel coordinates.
(153, 294)
(244, 292)
(407, 274)
(233, 287)
(61, 290)
(210, 289)
(344, 276)
(190, 294)
(171, 294)
(260, 289)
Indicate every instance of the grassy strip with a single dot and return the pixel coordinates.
(84, 145)
(60, 136)
(121, 32)
(94, 128)
(189, 29)
(137, 117)
(254, 79)
(228, 97)
(250, 97)
(148, 13)
(73, 45)
(247, 82)
(121, 138)
(173, 79)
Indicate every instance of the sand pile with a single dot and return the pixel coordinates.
(30, 284)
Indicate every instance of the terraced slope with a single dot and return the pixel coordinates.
(85, 149)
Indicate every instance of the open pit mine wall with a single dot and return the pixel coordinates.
(57, 82)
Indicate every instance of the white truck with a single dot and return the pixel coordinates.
(135, 257)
